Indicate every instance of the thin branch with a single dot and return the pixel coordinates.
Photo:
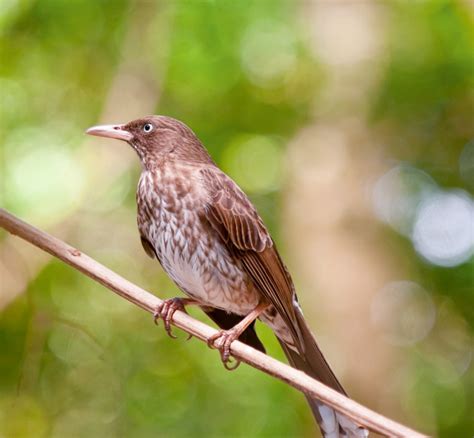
(299, 380)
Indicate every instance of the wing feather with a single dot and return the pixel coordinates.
(233, 216)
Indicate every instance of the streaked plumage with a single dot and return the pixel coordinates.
(211, 241)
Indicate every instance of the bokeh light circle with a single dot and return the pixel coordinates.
(44, 180)
(397, 194)
(403, 312)
(443, 232)
(268, 53)
(254, 161)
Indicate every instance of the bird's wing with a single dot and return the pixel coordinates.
(233, 216)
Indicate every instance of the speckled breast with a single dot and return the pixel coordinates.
(171, 216)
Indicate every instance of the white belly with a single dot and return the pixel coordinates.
(202, 267)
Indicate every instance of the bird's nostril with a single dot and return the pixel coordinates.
(117, 128)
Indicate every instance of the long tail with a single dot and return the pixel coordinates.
(312, 362)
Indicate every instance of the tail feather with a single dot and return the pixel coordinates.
(310, 359)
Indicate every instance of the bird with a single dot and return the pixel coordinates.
(209, 238)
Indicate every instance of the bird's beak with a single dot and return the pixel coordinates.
(113, 131)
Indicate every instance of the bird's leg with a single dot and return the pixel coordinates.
(166, 310)
(224, 338)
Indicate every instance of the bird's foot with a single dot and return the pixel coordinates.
(222, 340)
(166, 310)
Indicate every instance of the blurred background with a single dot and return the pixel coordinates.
(350, 125)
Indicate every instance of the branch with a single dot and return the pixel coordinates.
(299, 380)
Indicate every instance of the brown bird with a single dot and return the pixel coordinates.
(211, 241)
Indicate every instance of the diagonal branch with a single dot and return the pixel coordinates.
(252, 357)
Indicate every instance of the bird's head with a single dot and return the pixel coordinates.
(156, 139)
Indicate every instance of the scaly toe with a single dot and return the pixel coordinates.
(156, 314)
(167, 314)
(211, 340)
(222, 341)
(165, 311)
(225, 352)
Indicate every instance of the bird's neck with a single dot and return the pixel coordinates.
(161, 162)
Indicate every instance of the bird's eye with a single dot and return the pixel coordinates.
(148, 127)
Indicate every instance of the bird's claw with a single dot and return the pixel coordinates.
(222, 340)
(165, 311)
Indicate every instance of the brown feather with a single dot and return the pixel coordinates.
(234, 217)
